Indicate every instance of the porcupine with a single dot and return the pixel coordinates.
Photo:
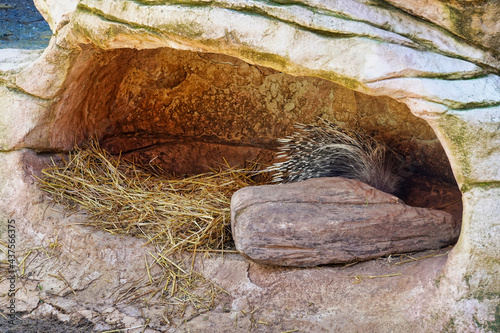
(332, 151)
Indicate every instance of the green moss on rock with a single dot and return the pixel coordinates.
(458, 134)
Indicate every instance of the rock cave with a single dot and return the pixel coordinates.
(192, 86)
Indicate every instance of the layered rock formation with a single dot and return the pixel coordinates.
(439, 60)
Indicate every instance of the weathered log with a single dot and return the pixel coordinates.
(331, 220)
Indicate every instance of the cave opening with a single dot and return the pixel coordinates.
(190, 112)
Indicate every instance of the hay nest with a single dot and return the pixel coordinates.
(173, 214)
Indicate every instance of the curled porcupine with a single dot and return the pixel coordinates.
(332, 151)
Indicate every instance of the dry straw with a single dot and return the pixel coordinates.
(175, 215)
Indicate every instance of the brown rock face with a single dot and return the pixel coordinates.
(331, 220)
(156, 104)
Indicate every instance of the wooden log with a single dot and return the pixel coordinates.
(331, 220)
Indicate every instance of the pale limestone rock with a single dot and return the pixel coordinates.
(14, 60)
(436, 69)
(56, 12)
(476, 253)
(393, 19)
(43, 78)
(46, 310)
(455, 94)
(473, 143)
(21, 113)
(26, 302)
(475, 21)
(316, 54)
(13, 182)
(235, 25)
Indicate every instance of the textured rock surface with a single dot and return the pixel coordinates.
(331, 221)
(476, 21)
(102, 268)
(144, 101)
(440, 59)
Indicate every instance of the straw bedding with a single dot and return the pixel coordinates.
(174, 214)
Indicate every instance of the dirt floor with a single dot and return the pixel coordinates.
(22, 26)
(46, 325)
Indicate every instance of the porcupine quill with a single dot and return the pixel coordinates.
(332, 151)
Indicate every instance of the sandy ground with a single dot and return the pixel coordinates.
(51, 325)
